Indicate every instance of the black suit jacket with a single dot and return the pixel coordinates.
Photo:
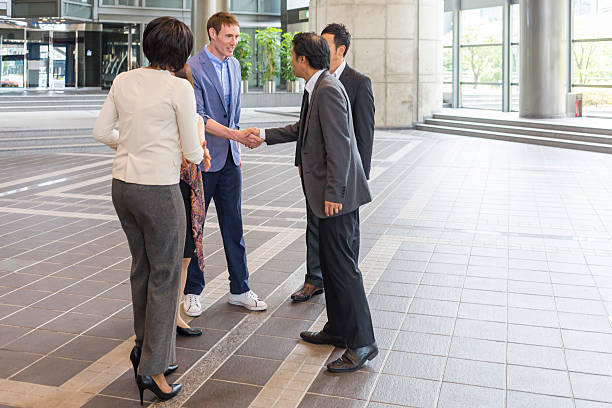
(359, 90)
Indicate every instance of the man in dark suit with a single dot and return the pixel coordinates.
(334, 185)
(359, 90)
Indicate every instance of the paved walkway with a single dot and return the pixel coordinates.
(84, 119)
(488, 267)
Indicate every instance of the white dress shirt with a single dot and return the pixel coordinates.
(156, 114)
(339, 70)
(308, 88)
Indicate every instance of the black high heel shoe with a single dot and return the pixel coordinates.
(189, 331)
(146, 382)
(135, 359)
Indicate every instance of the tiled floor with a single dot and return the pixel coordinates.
(488, 267)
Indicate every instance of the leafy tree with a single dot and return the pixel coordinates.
(269, 46)
(243, 53)
(286, 66)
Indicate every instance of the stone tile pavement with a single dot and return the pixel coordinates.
(488, 267)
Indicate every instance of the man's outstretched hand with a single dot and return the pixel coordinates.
(250, 137)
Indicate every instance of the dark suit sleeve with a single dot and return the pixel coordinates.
(363, 122)
(333, 111)
(285, 134)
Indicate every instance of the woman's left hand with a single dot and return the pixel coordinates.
(206, 160)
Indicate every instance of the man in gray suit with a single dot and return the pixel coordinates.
(335, 185)
(359, 90)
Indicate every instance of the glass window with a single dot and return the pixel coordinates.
(175, 4)
(47, 9)
(447, 60)
(295, 4)
(592, 54)
(481, 58)
(269, 6)
(12, 57)
(515, 36)
(131, 3)
(244, 5)
(76, 10)
(108, 2)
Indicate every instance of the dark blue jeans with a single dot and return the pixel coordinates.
(225, 187)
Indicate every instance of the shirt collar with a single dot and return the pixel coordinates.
(339, 70)
(312, 82)
(213, 57)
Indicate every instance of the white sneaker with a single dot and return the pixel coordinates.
(248, 300)
(192, 305)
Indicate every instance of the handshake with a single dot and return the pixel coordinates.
(249, 137)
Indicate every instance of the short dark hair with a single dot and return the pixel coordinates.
(167, 43)
(314, 48)
(218, 20)
(341, 35)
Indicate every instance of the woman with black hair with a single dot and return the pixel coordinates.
(158, 125)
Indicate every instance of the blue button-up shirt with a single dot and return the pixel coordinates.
(222, 69)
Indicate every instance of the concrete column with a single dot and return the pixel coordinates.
(201, 10)
(398, 44)
(543, 73)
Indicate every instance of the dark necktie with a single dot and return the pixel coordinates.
(303, 113)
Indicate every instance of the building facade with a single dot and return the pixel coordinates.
(57, 44)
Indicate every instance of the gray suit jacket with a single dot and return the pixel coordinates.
(331, 166)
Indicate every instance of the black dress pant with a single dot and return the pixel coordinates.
(348, 313)
(313, 265)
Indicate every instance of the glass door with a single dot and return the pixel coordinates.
(115, 54)
(63, 59)
(12, 58)
(38, 59)
(481, 58)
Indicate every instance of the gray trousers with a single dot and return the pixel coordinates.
(153, 219)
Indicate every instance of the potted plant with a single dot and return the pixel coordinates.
(269, 44)
(293, 85)
(243, 53)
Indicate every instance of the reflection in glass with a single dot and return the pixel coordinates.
(114, 53)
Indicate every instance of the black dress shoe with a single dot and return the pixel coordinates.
(146, 382)
(353, 359)
(306, 292)
(189, 331)
(135, 359)
(323, 338)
